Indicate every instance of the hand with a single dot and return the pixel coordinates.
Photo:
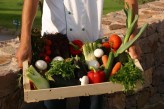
(24, 52)
(135, 52)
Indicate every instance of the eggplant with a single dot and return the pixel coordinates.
(82, 68)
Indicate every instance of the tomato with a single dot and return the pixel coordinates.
(106, 45)
(115, 41)
(48, 42)
(47, 59)
(48, 52)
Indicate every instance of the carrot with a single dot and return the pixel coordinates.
(116, 68)
(104, 59)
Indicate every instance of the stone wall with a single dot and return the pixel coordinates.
(152, 60)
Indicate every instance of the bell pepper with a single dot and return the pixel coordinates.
(96, 76)
(75, 47)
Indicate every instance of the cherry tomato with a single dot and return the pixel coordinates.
(106, 45)
(48, 52)
(47, 47)
(47, 59)
(48, 42)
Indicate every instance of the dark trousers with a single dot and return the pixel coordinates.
(55, 104)
(86, 102)
(91, 102)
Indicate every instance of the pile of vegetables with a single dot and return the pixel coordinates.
(103, 60)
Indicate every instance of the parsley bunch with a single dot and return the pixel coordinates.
(128, 76)
(65, 69)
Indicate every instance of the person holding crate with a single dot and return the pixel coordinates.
(77, 19)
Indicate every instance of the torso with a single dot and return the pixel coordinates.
(78, 19)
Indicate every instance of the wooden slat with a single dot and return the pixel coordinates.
(26, 84)
(73, 91)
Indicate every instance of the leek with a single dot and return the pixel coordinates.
(38, 80)
(88, 51)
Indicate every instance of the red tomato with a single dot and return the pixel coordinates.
(48, 42)
(115, 41)
(106, 45)
(48, 52)
(47, 48)
(47, 59)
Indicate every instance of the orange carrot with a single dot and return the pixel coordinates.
(116, 68)
(104, 59)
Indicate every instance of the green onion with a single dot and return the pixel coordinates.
(129, 43)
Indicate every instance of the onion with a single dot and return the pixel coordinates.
(41, 64)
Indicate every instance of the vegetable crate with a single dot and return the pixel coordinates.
(75, 91)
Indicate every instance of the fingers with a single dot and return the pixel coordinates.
(22, 56)
(19, 62)
(135, 52)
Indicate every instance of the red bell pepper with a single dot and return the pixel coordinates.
(96, 76)
(75, 47)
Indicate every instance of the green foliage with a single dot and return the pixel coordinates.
(12, 9)
(65, 69)
(139, 1)
(111, 6)
(128, 75)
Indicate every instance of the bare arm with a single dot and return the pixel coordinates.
(134, 5)
(134, 51)
(28, 15)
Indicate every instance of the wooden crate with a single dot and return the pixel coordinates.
(74, 91)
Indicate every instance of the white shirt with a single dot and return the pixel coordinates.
(78, 19)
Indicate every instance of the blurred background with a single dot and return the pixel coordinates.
(10, 12)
